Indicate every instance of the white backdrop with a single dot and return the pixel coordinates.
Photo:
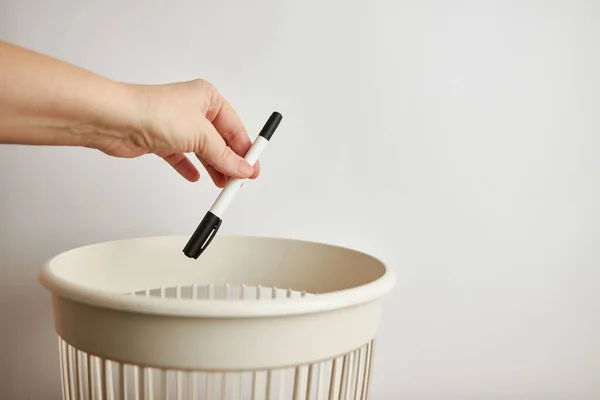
(456, 140)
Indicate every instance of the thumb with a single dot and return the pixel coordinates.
(213, 149)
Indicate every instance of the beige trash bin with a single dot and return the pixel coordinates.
(252, 318)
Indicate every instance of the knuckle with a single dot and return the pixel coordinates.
(227, 155)
(214, 100)
(200, 82)
(201, 144)
(205, 85)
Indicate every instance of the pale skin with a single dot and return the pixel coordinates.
(45, 101)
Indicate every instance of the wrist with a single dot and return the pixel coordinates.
(112, 114)
(44, 101)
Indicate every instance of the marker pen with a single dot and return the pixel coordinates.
(211, 222)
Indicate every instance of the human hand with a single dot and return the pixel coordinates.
(45, 101)
(186, 117)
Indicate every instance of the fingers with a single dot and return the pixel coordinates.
(232, 130)
(185, 168)
(218, 178)
(220, 143)
(213, 149)
(182, 165)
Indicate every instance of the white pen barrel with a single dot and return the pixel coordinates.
(228, 193)
(257, 148)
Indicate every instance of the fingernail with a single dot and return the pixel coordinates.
(244, 168)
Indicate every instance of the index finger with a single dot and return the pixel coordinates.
(232, 130)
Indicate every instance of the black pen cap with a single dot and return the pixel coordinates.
(203, 235)
(271, 125)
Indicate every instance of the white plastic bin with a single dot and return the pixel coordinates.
(252, 318)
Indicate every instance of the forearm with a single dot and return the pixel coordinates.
(44, 101)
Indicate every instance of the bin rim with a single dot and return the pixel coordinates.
(219, 308)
